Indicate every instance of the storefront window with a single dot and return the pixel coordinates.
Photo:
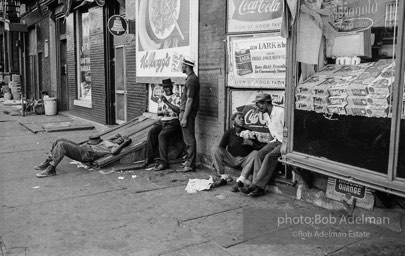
(83, 62)
(343, 101)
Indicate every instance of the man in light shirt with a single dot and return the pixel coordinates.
(266, 159)
(167, 127)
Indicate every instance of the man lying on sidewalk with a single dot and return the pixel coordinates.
(234, 150)
(89, 151)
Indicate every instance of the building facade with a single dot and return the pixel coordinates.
(104, 60)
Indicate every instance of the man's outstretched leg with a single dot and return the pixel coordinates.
(45, 164)
(65, 148)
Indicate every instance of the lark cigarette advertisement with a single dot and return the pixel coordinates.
(242, 101)
(254, 16)
(167, 30)
(257, 62)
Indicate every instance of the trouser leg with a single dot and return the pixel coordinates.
(247, 164)
(152, 141)
(168, 130)
(220, 158)
(262, 153)
(61, 139)
(190, 141)
(262, 177)
(71, 150)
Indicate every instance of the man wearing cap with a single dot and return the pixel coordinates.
(266, 160)
(168, 126)
(190, 103)
(89, 151)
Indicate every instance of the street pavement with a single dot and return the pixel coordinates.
(85, 212)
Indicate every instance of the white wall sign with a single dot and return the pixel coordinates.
(166, 32)
(254, 16)
(257, 62)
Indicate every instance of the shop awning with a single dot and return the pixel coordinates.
(71, 5)
(18, 27)
(13, 27)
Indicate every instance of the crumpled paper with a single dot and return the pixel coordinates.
(195, 185)
(81, 165)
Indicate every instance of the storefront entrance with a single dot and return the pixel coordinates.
(120, 85)
(63, 92)
(346, 92)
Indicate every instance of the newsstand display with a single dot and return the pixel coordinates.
(345, 113)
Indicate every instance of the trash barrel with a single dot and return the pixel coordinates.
(50, 106)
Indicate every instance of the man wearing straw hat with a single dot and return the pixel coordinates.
(89, 151)
(189, 105)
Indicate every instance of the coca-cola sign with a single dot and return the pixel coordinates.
(257, 10)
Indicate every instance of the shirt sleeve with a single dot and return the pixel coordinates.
(225, 140)
(191, 89)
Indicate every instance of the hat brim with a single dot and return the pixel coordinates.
(94, 142)
(167, 85)
(188, 63)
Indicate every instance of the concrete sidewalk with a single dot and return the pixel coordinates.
(85, 212)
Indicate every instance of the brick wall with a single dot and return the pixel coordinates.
(42, 35)
(136, 92)
(98, 112)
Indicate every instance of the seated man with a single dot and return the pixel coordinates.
(90, 151)
(269, 154)
(234, 150)
(163, 130)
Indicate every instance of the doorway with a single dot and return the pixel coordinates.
(120, 85)
(63, 92)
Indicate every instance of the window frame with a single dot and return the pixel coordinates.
(80, 100)
(389, 182)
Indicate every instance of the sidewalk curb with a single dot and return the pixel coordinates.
(99, 127)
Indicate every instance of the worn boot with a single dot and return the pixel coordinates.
(238, 185)
(44, 165)
(146, 162)
(49, 171)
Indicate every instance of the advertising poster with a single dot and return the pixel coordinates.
(257, 62)
(242, 101)
(84, 57)
(254, 16)
(359, 15)
(155, 91)
(166, 31)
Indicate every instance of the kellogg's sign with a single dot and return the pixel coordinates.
(254, 15)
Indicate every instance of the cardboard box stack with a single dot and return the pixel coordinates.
(363, 89)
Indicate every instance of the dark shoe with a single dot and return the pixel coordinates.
(44, 165)
(160, 167)
(185, 169)
(257, 192)
(48, 172)
(248, 190)
(146, 162)
(238, 185)
(219, 183)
